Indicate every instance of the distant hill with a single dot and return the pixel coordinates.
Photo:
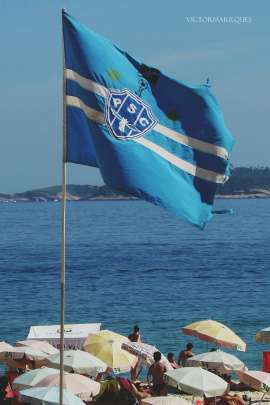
(245, 182)
(74, 193)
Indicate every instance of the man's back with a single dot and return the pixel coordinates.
(157, 371)
(183, 356)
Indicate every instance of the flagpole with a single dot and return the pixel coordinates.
(63, 228)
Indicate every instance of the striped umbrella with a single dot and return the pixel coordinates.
(144, 352)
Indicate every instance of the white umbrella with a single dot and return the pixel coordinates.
(217, 360)
(144, 352)
(50, 395)
(168, 400)
(32, 377)
(78, 361)
(196, 381)
(39, 345)
(82, 386)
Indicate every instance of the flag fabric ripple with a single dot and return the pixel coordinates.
(151, 136)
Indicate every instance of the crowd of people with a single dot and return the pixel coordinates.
(155, 376)
(155, 385)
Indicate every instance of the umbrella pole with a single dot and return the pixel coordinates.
(63, 231)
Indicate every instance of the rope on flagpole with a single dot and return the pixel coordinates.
(63, 230)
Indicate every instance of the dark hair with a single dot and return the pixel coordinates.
(170, 355)
(157, 356)
(136, 328)
(189, 346)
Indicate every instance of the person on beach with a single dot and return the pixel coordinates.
(185, 354)
(136, 390)
(135, 335)
(156, 371)
(226, 399)
(172, 361)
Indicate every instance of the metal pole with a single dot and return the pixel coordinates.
(63, 230)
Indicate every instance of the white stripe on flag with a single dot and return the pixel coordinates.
(182, 164)
(86, 83)
(191, 142)
(168, 132)
(92, 114)
(196, 171)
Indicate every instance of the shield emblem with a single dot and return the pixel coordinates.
(128, 116)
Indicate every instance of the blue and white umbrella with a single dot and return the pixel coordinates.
(32, 377)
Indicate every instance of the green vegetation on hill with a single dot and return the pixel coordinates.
(246, 180)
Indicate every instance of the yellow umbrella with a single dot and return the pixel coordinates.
(215, 332)
(107, 347)
(109, 334)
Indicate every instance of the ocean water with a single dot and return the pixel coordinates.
(130, 262)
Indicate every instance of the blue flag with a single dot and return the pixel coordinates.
(151, 136)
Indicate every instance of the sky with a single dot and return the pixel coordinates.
(175, 36)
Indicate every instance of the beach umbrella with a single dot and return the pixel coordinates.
(4, 348)
(39, 345)
(110, 335)
(24, 352)
(50, 395)
(263, 336)
(78, 362)
(82, 386)
(32, 377)
(217, 360)
(258, 380)
(196, 381)
(168, 400)
(144, 352)
(109, 351)
(216, 333)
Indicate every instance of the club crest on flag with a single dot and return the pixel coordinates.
(127, 115)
